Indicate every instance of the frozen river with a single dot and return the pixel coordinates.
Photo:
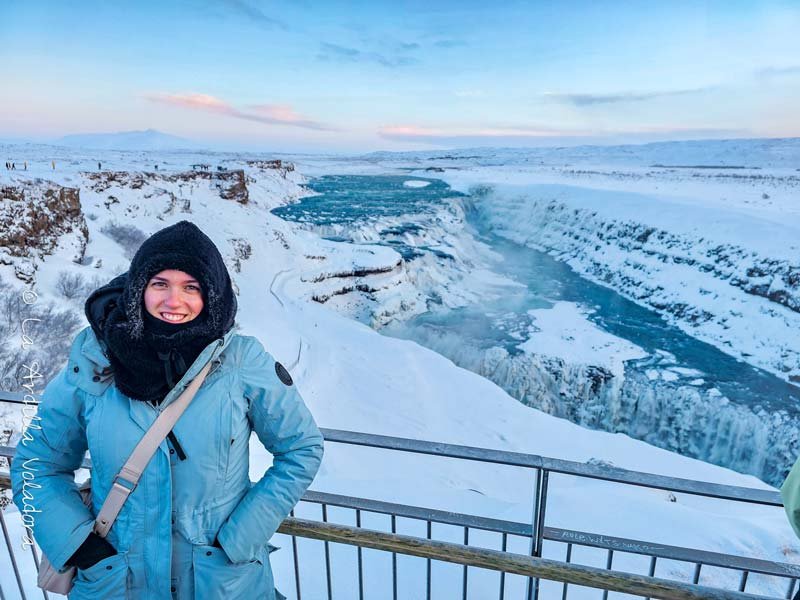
(673, 391)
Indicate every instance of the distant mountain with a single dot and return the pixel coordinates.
(149, 139)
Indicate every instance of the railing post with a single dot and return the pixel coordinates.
(360, 561)
(296, 562)
(327, 555)
(503, 548)
(394, 561)
(36, 562)
(7, 538)
(428, 565)
(568, 559)
(464, 579)
(537, 526)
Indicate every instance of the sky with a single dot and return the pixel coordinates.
(374, 75)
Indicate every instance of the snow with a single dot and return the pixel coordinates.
(558, 328)
(353, 378)
(416, 183)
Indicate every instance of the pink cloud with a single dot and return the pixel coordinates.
(414, 131)
(197, 101)
(269, 114)
(283, 113)
(408, 131)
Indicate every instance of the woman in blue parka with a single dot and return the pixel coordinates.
(195, 526)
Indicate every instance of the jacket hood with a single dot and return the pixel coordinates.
(147, 358)
(102, 302)
(183, 247)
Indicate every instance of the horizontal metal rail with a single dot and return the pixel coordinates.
(422, 514)
(16, 398)
(508, 562)
(556, 465)
(555, 534)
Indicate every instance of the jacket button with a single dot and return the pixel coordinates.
(171, 451)
(172, 589)
(208, 553)
(75, 369)
(108, 567)
(96, 378)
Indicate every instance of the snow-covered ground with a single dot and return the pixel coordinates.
(557, 329)
(354, 378)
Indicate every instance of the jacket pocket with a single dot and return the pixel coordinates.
(107, 579)
(217, 578)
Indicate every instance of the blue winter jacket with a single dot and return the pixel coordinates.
(164, 532)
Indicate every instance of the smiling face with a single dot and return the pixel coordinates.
(173, 296)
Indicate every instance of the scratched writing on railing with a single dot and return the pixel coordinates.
(608, 542)
(30, 421)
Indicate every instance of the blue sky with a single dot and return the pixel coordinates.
(356, 76)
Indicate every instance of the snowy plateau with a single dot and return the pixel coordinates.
(702, 234)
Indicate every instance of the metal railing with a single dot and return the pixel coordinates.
(538, 538)
(504, 562)
(536, 533)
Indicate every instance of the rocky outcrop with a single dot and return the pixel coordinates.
(360, 287)
(241, 250)
(33, 216)
(232, 185)
(354, 272)
(367, 280)
(103, 180)
(277, 163)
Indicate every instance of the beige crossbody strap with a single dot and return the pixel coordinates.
(142, 453)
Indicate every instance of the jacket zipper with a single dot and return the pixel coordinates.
(171, 435)
(178, 448)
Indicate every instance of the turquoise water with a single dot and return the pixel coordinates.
(742, 437)
(348, 199)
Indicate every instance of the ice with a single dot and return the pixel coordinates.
(556, 330)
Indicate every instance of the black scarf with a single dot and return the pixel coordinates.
(148, 355)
